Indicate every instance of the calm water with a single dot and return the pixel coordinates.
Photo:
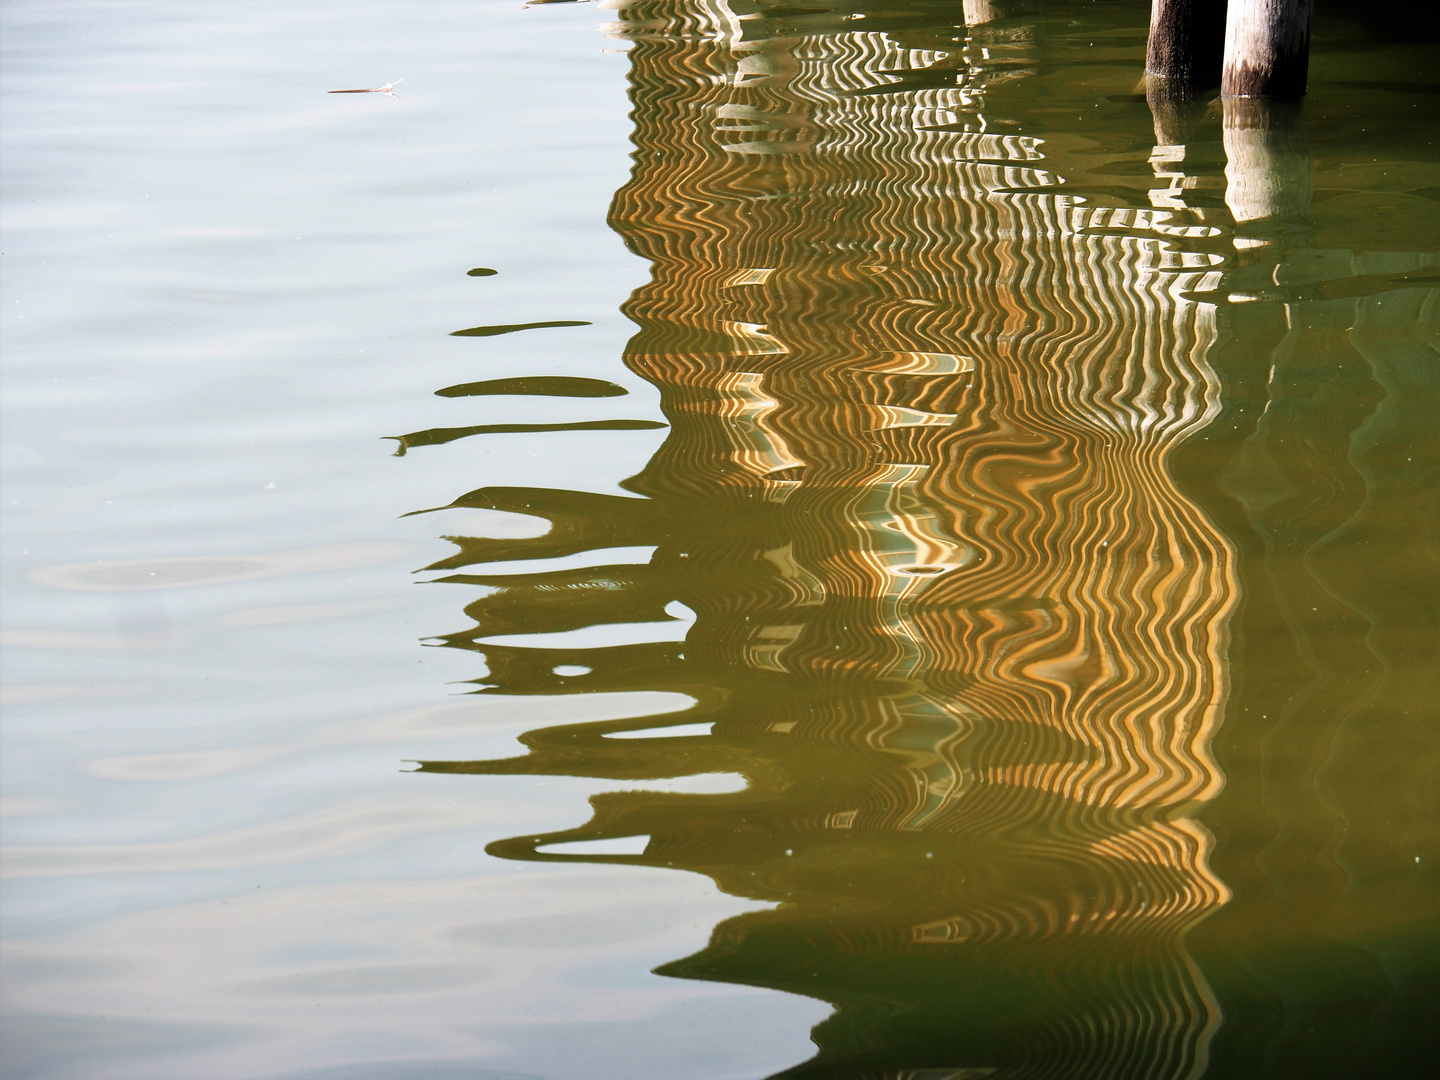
(979, 522)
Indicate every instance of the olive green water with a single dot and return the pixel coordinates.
(1024, 612)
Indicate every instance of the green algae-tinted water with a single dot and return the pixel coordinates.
(978, 519)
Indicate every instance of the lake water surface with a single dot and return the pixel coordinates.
(714, 540)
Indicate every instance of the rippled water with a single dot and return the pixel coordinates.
(979, 520)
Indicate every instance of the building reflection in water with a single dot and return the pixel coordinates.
(955, 622)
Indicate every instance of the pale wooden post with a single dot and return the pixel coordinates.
(1187, 39)
(980, 12)
(1267, 48)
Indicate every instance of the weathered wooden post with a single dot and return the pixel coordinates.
(1267, 48)
(1187, 39)
(979, 12)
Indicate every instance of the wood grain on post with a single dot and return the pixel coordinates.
(1187, 40)
(1267, 48)
(980, 12)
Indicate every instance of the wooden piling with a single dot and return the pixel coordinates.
(980, 12)
(1187, 40)
(1267, 48)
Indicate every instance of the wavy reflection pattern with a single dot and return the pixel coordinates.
(954, 621)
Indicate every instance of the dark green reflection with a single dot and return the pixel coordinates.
(1052, 485)
(1320, 469)
(439, 436)
(538, 385)
(511, 328)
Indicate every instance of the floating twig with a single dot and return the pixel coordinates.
(388, 88)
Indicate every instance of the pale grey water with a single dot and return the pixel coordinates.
(1045, 532)
(222, 287)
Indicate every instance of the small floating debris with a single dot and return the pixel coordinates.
(388, 88)
(479, 271)
(510, 328)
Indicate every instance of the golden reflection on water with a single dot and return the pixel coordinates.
(960, 618)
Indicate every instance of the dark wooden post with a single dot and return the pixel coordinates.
(1267, 48)
(1187, 40)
